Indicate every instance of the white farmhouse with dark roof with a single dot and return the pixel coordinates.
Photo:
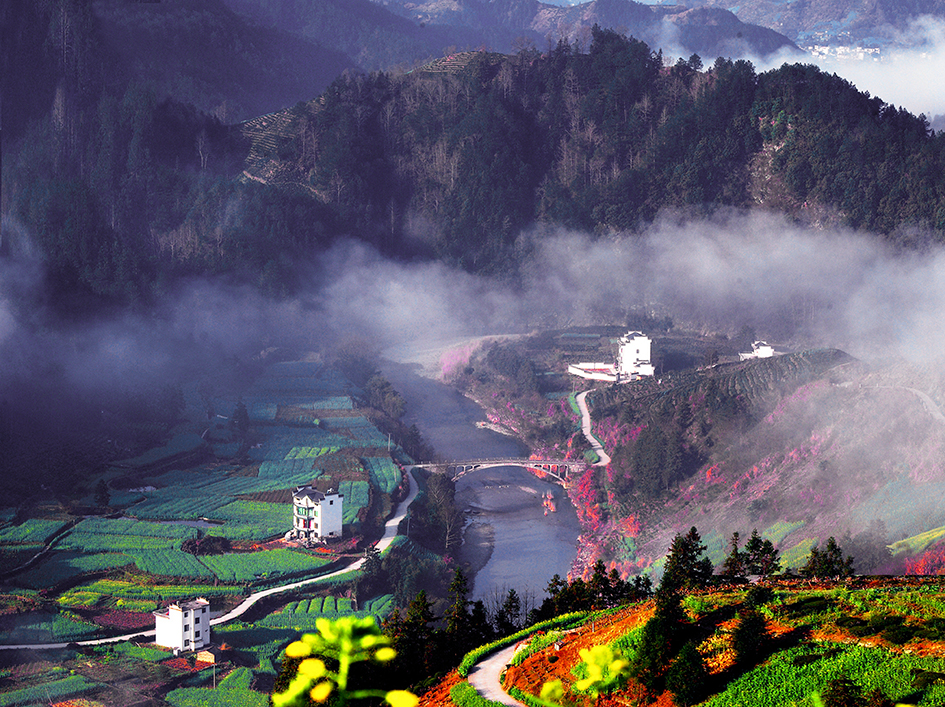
(316, 515)
(759, 349)
(184, 626)
(633, 361)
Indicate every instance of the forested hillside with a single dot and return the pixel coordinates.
(123, 190)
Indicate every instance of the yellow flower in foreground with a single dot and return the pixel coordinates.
(385, 654)
(321, 691)
(552, 691)
(401, 698)
(313, 668)
(298, 649)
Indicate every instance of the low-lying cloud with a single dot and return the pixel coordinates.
(798, 288)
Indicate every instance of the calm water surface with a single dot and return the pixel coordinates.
(504, 506)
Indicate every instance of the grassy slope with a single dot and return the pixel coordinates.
(815, 635)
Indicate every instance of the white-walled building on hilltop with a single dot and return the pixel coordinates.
(632, 362)
(184, 626)
(316, 515)
(759, 349)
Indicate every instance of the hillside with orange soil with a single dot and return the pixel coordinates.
(882, 633)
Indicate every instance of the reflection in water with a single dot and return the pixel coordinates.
(509, 541)
(529, 543)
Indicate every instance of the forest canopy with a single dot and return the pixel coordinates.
(125, 189)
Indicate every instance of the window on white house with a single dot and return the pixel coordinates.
(186, 627)
(186, 641)
(197, 634)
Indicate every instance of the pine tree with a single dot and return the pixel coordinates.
(686, 677)
(687, 566)
(828, 562)
(734, 565)
(458, 620)
(749, 637)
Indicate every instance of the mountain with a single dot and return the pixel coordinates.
(479, 146)
(708, 31)
(374, 37)
(200, 52)
(845, 22)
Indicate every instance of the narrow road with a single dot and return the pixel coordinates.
(485, 676)
(596, 444)
(390, 532)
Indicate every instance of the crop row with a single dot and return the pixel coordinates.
(384, 473)
(357, 495)
(309, 452)
(170, 563)
(244, 567)
(791, 676)
(47, 692)
(287, 470)
(130, 590)
(219, 697)
(34, 530)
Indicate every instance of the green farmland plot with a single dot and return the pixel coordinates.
(47, 692)
(60, 566)
(301, 615)
(170, 563)
(246, 567)
(36, 627)
(34, 530)
(384, 473)
(791, 676)
(357, 495)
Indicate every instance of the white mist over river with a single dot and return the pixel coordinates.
(509, 541)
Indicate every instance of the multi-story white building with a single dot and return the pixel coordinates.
(184, 626)
(633, 361)
(316, 515)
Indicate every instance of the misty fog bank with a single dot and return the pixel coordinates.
(799, 287)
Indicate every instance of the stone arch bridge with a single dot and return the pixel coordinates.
(558, 468)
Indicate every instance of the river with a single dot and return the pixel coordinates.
(509, 540)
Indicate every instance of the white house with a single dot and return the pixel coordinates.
(184, 626)
(633, 361)
(759, 349)
(316, 515)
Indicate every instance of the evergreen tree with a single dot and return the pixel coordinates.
(458, 620)
(734, 565)
(508, 615)
(761, 556)
(686, 565)
(749, 637)
(687, 675)
(829, 562)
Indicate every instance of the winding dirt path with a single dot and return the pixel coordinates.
(596, 444)
(486, 677)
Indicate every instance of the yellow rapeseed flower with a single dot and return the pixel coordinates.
(321, 691)
(401, 698)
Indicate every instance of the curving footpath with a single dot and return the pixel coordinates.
(390, 532)
(596, 444)
(486, 677)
